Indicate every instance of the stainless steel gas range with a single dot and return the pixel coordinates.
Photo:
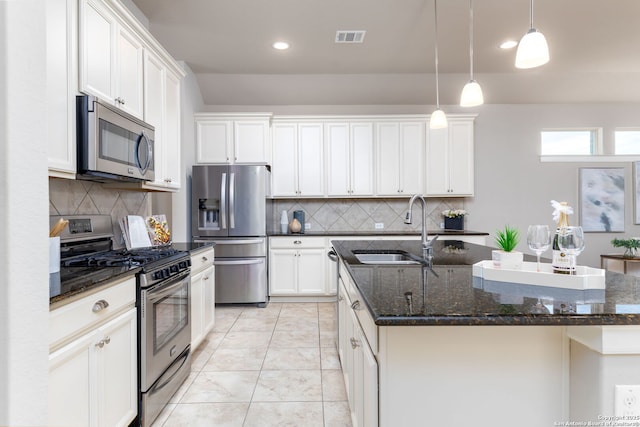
(163, 302)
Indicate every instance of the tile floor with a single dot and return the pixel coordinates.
(273, 366)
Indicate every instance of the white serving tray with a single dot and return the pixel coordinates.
(586, 277)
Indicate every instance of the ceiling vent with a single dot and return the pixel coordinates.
(350, 36)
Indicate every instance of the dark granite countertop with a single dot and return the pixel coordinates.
(72, 283)
(316, 233)
(448, 293)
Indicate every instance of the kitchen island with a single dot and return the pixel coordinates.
(443, 348)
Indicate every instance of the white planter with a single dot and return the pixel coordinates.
(507, 260)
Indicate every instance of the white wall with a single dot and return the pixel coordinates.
(24, 250)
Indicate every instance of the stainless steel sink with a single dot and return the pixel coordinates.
(384, 257)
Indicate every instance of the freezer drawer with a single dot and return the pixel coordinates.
(241, 280)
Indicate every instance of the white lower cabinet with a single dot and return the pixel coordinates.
(202, 295)
(93, 377)
(359, 365)
(297, 266)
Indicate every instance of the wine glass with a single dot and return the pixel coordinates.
(571, 241)
(538, 239)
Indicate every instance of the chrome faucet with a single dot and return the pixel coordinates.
(426, 244)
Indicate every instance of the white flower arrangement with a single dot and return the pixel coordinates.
(454, 213)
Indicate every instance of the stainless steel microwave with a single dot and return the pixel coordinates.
(112, 144)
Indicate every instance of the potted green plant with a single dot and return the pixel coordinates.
(454, 219)
(506, 257)
(631, 246)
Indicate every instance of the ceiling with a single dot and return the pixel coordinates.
(594, 47)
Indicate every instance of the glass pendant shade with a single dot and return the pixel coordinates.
(438, 120)
(471, 94)
(533, 50)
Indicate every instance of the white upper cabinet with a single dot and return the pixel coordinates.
(449, 157)
(297, 160)
(111, 57)
(62, 84)
(162, 111)
(400, 158)
(349, 159)
(228, 139)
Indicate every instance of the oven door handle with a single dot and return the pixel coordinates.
(154, 295)
(240, 261)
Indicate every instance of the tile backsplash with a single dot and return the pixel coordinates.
(342, 215)
(76, 197)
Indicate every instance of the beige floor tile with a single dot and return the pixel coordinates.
(293, 385)
(229, 386)
(328, 338)
(236, 359)
(297, 324)
(336, 414)
(208, 415)
(333, 386)
(179, 394)
(329, 358)
(271, 310)
(223, 324)
(328, 325)
(299, 310)
(254, 324)
(292, 358)
(293, 339)
(246, 340)
(204, 351)
(284, 414)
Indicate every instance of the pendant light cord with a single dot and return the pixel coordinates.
(471, 36)
(435, 9)
(531, 14)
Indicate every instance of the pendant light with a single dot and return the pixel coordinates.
(471, 92)
(533, 50)
(438, 119)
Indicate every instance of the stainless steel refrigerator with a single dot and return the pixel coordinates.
(229, 208)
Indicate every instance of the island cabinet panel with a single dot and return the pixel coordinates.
(468, 376)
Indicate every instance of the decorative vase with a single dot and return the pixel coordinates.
(629, 253)
(507, 260)
(455, 223)
(295, 226)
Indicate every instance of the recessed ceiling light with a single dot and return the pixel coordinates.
(281, 45)
(508, 44)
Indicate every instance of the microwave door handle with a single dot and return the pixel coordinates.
(223, 201)
(143, 138)
(232, 200)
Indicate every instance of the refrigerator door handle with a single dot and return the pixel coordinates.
(232, 242)
(223, 201)
(248, 261)
(232, 200)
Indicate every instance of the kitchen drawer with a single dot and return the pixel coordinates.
(296, 242)
(73, 319)
(201, 260)
(362, 313)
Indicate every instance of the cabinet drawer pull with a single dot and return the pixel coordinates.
(99, 306)
(100, 344)
(297, 242)
(107, 339)
(356, 305)
(205, 259)
(206, 277)
(354, 343)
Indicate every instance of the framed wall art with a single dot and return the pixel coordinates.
(601, 199)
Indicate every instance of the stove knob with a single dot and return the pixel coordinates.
(174, 268)
(166, 273)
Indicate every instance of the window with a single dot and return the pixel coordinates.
(577, 142)
(627, 142)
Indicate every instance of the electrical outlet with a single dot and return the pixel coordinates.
(627, 400)
(307, 226)
(379, 225)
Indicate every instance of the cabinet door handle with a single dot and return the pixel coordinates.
(206, 277)
(356, 305)
(340, 298)
(100, 344)
(354, 343)
(205, 259)
(107, 339)
(99, 306)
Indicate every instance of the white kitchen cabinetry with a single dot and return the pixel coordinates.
(400, 158)
(449, 157)
(202, 295)
(162, 111)
(356, 350)
(297, 160)
(227, 139)
(297, 266)
(62, 83)
(93, 359)
(349, 159)
(111, 58)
